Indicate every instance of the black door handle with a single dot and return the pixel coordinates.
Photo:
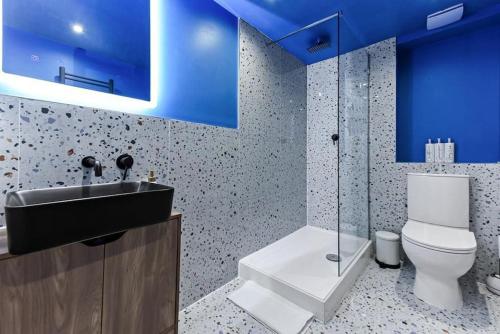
(335, 138)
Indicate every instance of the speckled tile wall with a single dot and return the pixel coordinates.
(322, 162)
(325, 91)
(55, 138)
(9, 149)
(388, 178)
(353, 144)
(238, 190)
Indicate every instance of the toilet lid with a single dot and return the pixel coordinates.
(443, 238)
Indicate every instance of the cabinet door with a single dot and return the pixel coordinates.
(54, 291)
(140, 281)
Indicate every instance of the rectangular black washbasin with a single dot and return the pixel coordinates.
(45, 218)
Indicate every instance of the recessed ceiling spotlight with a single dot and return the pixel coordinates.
(77, 28)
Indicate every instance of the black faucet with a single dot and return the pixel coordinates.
(125, 162)
(91, 162)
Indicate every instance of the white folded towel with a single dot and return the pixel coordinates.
(270, 309)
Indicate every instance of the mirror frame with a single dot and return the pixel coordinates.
(24, 87)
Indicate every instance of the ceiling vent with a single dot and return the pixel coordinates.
(445, 17)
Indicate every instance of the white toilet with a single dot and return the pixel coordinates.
(436, 237)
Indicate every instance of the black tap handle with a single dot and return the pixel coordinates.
(125, 161)
(91, 162)
(88, 162)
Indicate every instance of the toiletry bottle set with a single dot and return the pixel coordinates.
(440, 152)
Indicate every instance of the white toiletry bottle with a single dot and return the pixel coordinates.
(449, 152)
(429, 152)
(439, 151)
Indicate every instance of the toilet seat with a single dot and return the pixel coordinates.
(440, 238)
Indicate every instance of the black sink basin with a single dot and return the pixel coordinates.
(45, 218)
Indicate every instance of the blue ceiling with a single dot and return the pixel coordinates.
(118, 28)
(363, 22)
(114, 28)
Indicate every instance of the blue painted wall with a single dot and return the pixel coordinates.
(450, 87)
(198, 63)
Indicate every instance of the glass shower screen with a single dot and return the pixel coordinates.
(353, 149)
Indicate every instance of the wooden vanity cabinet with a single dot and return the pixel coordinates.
(128, 286)
(53, 291)
(140, 281)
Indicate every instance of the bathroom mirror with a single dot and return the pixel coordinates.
(92, 45)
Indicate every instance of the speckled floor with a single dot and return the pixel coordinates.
(382, 301)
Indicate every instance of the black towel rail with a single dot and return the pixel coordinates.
(63, 76)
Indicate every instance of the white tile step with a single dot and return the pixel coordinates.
(270, 309)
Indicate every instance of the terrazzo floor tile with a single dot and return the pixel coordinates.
(381, 301)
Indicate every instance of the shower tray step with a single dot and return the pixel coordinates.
(271, 309)
(296, 268)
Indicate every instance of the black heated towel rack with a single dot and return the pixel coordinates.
(63, 76)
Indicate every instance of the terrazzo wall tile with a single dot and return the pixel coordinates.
(353, 143)
(327, 86)
(9, 149)
(56, 137)
(203, 170)
(241, 189)
(272, 129)
(52, 139)
(293, 142)
(322, 161)
(388, 179)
